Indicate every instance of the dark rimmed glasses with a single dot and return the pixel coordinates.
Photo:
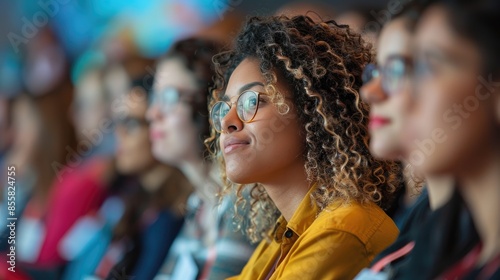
(393, 74)
(247, 105)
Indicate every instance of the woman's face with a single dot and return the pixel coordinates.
(5, 125)
(173, 132)
(266, 148)
(89, 105)
(388, 109)
(133, 153)
(26, 131)
(454, 121)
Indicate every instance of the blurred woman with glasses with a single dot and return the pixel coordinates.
(388, 88)
(289, 126)
(152, 214)
(456, 114)
(208, 247)
(144, 199)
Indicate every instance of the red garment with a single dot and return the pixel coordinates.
(467, 264)
(9, 275)
(80, 192)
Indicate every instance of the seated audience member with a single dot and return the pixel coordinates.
(387, 88)
(457, 105)
(43, 134)
(297, 139)
(145, 204)
(151, 221)
(208, 247)
(83, 178)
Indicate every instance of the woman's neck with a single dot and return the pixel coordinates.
(288, 190)
(198, 174)
(481, 192)
(440, 190)
(154, 177)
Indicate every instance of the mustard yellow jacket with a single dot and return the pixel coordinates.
(334, 244)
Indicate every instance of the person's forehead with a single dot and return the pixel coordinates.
(394, 40)
(172, 72)
(246, 73)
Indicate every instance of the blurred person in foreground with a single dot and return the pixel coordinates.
(208, 247)
(297, 140)
(455, 122)
(388, 89)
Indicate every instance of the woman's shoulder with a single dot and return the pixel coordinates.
(366, 221)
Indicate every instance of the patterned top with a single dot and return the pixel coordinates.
(202, 251)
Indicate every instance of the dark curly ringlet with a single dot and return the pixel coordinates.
(196, 55)
(322, 64)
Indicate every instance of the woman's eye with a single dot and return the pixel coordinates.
(250, 103)
(225, 112)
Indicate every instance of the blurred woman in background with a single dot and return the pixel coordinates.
(154, 214)
(26, 155)
(297, 138)
(42, 135)
(208, 246)
(86, 172)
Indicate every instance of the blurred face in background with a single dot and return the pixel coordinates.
(26, 128)
(387, 89)
(90, 106)
(173, 132)
(116, 82)
(454, 121)
(133, 154)
(5, 125)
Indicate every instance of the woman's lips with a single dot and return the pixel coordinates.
(155, 135)
(378, 122)
(232, 144)
(233, 147)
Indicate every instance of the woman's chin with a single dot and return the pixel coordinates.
(239, 177)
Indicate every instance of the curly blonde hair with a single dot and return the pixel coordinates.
(322, 63)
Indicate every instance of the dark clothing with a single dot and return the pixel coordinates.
(418, 214)
(155, 243)
(441, 238)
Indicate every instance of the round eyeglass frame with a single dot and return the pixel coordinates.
(230, 105)
(391, 81)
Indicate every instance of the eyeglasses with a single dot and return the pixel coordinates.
(167, 98)
(393, 73)
(131, 124)
(247, 105)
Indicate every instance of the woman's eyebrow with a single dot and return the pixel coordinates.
(249, 86)
(243, 88)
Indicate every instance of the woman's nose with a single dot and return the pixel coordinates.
(372, 92)
(231, 122)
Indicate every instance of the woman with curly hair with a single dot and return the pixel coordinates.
(298, 141)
